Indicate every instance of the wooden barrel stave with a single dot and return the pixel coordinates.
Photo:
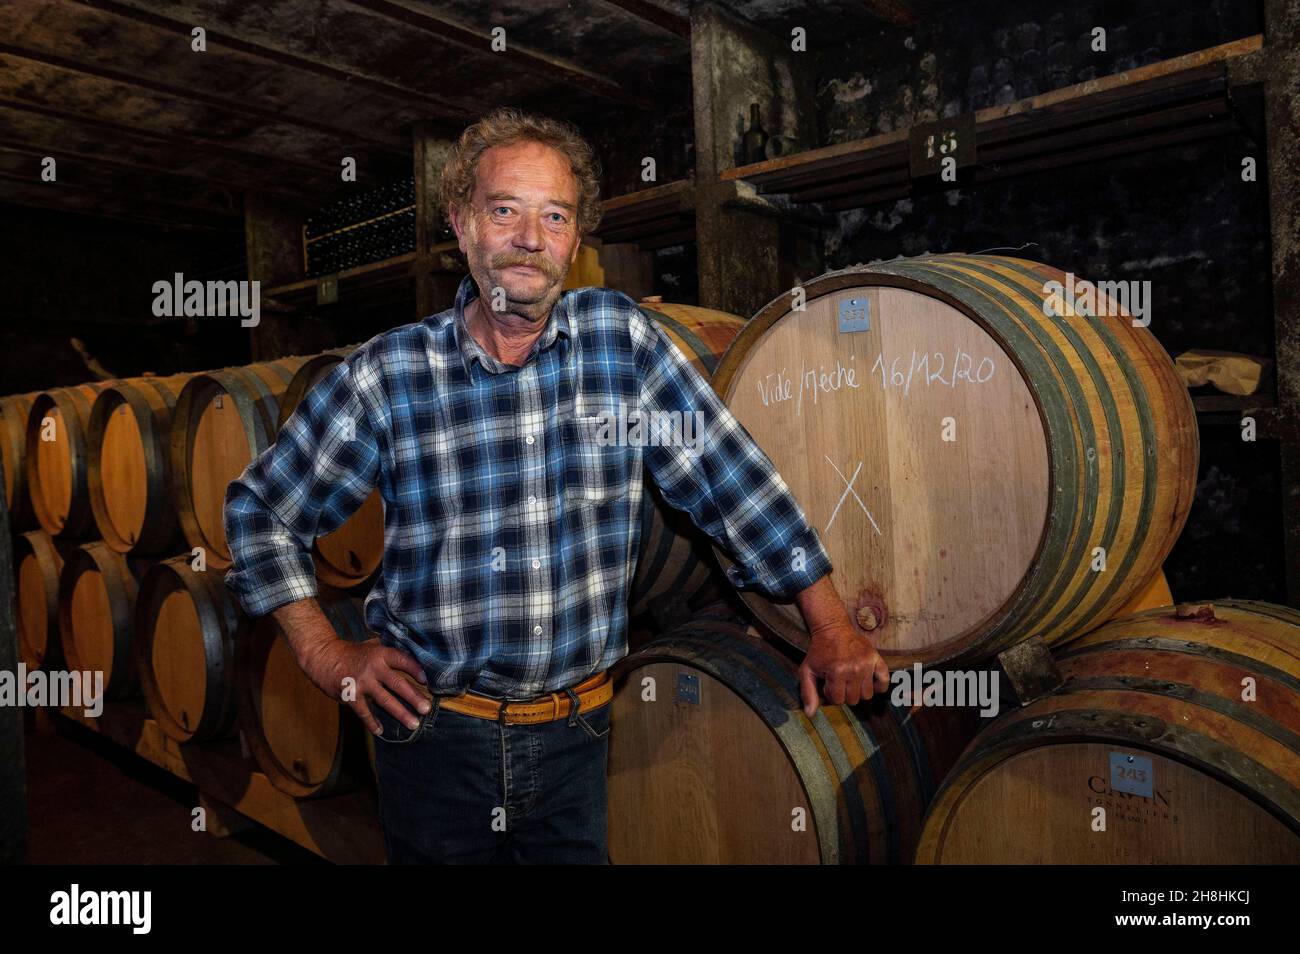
(307, 744)
(863, 773)
(211, 443)
(185, 629)
(97, 594)
(1119, 387)
(38, 565)
(1154, 593)
(1156, 686)
(57, 472)
(15, 409)
(1118, 452)
(130, 482)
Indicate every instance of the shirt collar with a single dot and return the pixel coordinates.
(557, 323)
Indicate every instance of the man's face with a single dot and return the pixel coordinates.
(519, 231)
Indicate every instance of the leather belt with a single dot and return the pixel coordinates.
(592, 693)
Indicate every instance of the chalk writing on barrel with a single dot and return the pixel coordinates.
(932, 369)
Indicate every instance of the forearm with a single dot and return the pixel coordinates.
(305, 628)
(821, 606)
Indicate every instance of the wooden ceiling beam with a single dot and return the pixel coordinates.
(324, 171)
(395, 145)
(450, 111)
(24, 190)
(477, 40)
(118, 214)
(211, 201)
(653, 13)
(41, 150)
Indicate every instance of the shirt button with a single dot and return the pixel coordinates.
(537, 630)
(529, 439)
(537, 564)
(532, 499)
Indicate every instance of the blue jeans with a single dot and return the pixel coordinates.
(463, 790)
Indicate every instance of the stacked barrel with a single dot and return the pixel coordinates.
(714, 761)
(1174, 739)
(978, 467)
(115, 490)
(997, 486)
(982, 471)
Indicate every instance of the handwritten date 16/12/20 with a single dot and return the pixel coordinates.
(963, 368)
(927, 368)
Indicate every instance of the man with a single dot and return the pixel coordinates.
(511, 521)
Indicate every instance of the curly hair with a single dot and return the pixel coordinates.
(505, 126)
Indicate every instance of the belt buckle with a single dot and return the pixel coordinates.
(502, 706)
(554, 698)
(555, 707)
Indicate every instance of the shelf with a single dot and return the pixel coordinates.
(340, 828)
(1174, 101)
(1231, 403)
(389, 272)
(652, 218)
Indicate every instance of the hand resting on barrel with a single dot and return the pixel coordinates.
(847, 661)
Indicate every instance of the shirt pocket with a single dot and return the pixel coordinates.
(595, 465)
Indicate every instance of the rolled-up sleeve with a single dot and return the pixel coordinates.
(718, 475)
(321, 468)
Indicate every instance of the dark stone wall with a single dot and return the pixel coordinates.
(988, 52)
(72, 276)
(1180, 217)
(669, 138)
(676, 277)
(1232, 545)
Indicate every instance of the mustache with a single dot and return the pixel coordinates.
(506, 259)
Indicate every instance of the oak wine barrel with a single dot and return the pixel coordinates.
(221, 421)
(723, 767)
(58, 480)
(97, 593)
(15, 409)
(1181, 724)
(676, 571)
(979, 470)
(185, 629)
(38, 564)
(350, 555)
(305, 742)
(130, 474)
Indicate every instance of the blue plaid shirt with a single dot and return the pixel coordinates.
(511, 520)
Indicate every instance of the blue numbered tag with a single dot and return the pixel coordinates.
(1132, 773)
(688, 688)
(855, 315)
